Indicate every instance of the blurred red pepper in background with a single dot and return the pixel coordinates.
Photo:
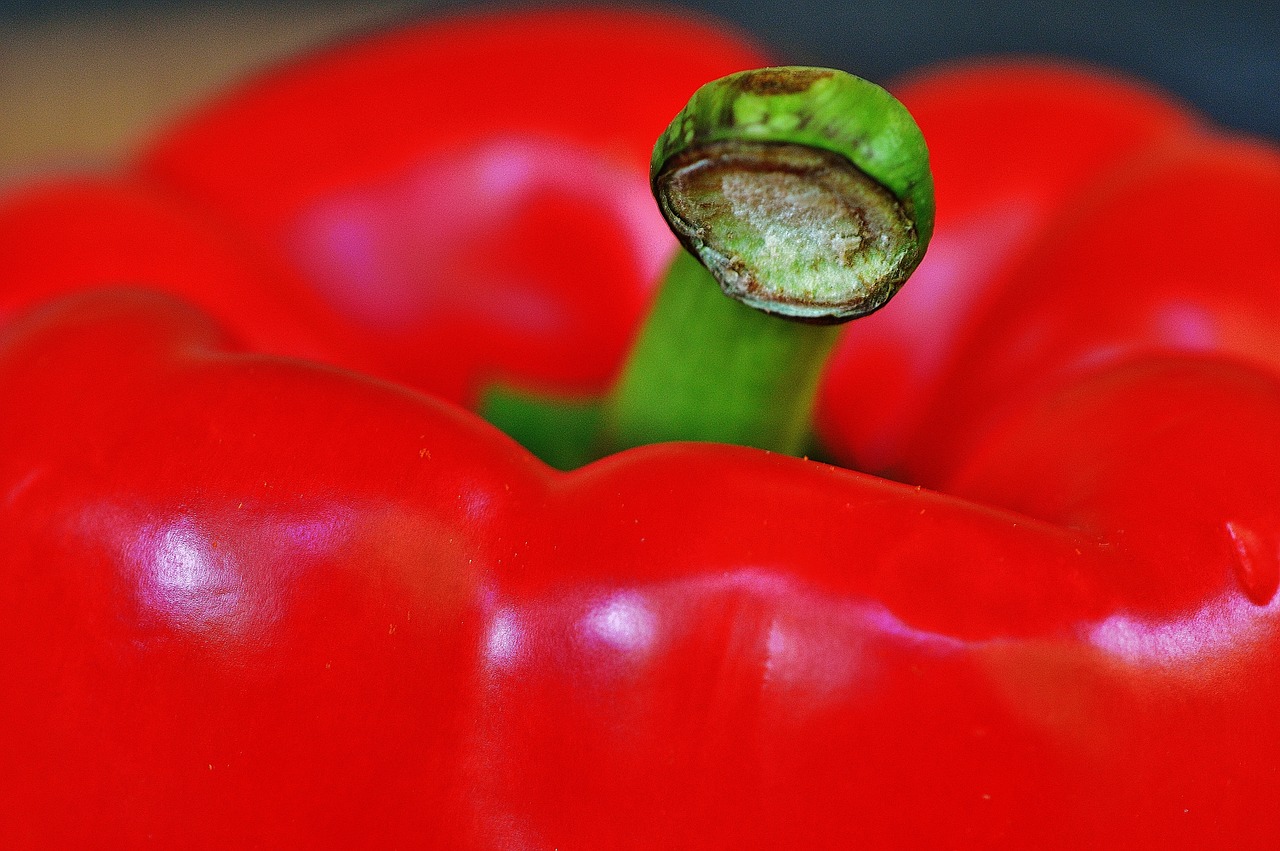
(252, 601)
(427, 205)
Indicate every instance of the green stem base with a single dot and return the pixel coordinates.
(748, 379)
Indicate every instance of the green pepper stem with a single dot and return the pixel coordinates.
(746, 378)
(804, 193)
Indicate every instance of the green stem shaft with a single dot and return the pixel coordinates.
(748, 378)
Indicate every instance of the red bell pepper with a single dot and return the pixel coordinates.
(255, 602)
(310, 189)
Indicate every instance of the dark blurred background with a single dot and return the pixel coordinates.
(81, 79)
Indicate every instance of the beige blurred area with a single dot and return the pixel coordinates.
(83, 90)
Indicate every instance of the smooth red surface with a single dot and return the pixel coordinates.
(453, 189)
(1014, 146)
(66, 234)
(427, 205)
(252, 601)
(255, 602)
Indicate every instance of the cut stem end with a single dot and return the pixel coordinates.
(787, 229)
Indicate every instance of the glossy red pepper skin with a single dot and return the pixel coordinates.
(681, 646)
(252, 601)
(1014, 147)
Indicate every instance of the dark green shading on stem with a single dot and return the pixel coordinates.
(563, 432)
(803, 193)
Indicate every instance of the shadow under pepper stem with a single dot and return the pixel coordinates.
(804, 193)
